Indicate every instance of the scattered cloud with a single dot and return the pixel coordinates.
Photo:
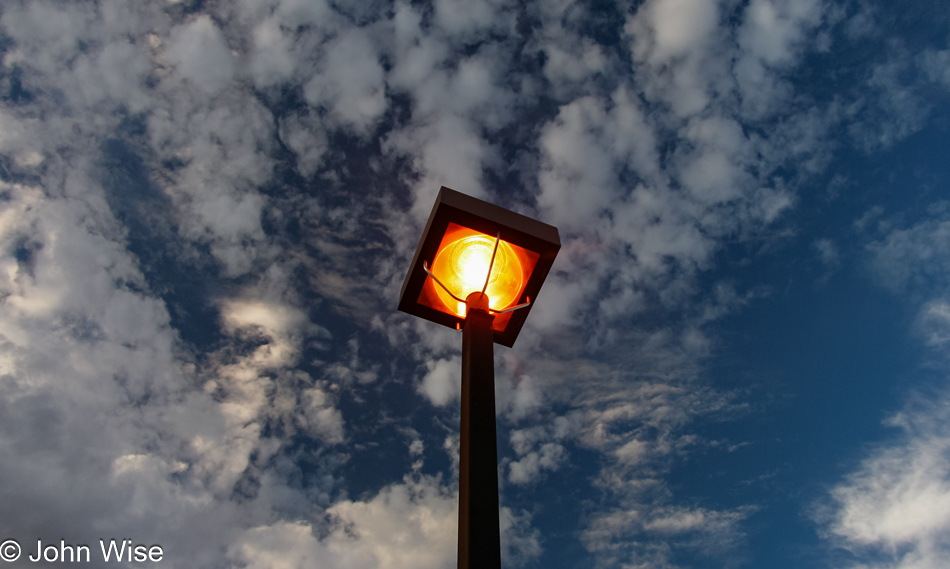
(349, 81)
(892, 510)
(407, 525)
(914, 259)
(200, 55)
(442, 383)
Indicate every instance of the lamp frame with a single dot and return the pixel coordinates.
(455, 207)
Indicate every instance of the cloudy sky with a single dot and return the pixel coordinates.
(740, 358)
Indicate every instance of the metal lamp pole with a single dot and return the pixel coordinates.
(458, 228)
(479, 540)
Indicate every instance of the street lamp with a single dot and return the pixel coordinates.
(478, 268)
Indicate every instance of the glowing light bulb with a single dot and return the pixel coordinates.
(462, 266)
(471, 262)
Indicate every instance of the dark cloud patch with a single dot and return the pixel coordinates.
(24, 253)
(151, 231)
(14, 91)
(599, 20)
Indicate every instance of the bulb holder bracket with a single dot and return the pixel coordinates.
(454, 207)
(476, 301)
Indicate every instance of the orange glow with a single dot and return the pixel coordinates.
(462, 266)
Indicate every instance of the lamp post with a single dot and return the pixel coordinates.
(476, 268)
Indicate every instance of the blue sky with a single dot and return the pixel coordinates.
(739, 359)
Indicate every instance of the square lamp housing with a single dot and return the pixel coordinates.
(457, 247)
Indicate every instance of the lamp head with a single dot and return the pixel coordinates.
(473, 246)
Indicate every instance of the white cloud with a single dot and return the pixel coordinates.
(413, 524)
(214, 192)
(117, 72)
(417, 54)
(827, 252)
(936, 64)
(461, 20)
(286, 37)
(898, 96)
(275, 319)
(657, 530)
(442, 383)
(200, 54)
(632, 452)
(111, 70)
(59, 28)
(409, 525)
(526, 469)
(517, 397)
(715, 168)
(565, 63)
(641, 230)
(772, 36)
(273, 61)
(934, 323)
(322, 419)
(774, 29)
(98, 361)
(678, 520)
(696, 58)
(520, 542)
(828, 255)
(116, 393)
(451, 105)
(349, 81)
(282, 325)
(16, 136)
(446, 149)
(899, 497)
(539, 449)
(677, 44)
(88, 345)
(677, 27)
(579, 180)
(454, 102)
(915, 259)
(305, 135)
(894, 510)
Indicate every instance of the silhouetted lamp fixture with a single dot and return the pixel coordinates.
(478, 268)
